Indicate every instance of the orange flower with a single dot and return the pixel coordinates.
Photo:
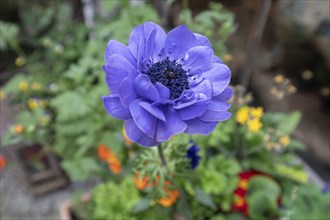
(18, 129)
(108, 156)
(103, 152)
(115, 168)
(3, 162)
(170, 199)
(141, 183)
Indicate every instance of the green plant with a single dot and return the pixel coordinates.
(262, 196)
(306, 202)
(115, 201)
(215, 23)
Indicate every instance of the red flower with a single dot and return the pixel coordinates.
(240, 203)
(3, 162)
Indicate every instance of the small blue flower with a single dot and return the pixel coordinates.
(165, 84)
(192, 155)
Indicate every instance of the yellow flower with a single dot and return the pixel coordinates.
(257, 112)
(32, 104)
(254, 125)
(284, 140)
(292, 89)
(2, 95)
(242, 115)
(227, 58)
(279, 78)
(20, 61)
(36, 86)
(23, 86)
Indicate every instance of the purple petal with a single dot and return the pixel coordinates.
(219, 75)
(163, 91)
(153, 110)
(192, 111)
(145, 88)
(117, 69)
(196, 126)
(202, 40)
(115, 47)
(219, 102)
(217, 60)
(199, 57)
(140, 37)
(214, 116)
(180, 40)
(114, 108)
(136, 135)
(205, 88)
(145, 121)
(173, 125)
(126, 92)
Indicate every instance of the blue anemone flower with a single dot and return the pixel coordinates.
(165, 84)
(192, 155)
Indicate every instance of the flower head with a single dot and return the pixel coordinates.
(2, 95)
(23, 86)
(170, 199)
(18, 129)
(165, 84)
(242, 115)
(192, 155)
(3, 162)
(254, 125)
(20, 61)
(110, 158)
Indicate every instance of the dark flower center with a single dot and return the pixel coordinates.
(170, 74)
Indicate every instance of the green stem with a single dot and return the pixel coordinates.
(161, 155)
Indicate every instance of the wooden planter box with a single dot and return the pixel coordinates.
(48, 177)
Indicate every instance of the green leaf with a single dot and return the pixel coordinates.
(204, 198)
(261, 205)
(265, 184)
(70, 105)
(81, 168)
(289, 122)
(141, 206)
(294, 143)
(292, 173)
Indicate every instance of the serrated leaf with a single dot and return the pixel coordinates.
(70, 105)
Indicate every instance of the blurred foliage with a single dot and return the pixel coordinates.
(262, 196)
(307, 202)
(58, 90)
(112, 203)
(215, 23)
